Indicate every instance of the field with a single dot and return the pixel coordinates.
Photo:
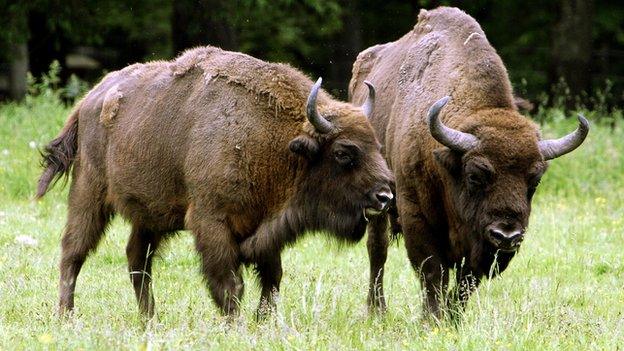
(564, 291)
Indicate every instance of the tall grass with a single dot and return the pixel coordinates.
(563, 291)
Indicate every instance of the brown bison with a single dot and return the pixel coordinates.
(224, 145)
(466, 167)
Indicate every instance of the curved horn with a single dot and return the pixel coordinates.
(453, 139)
(369, 104)
(320, 124)
(557, 147)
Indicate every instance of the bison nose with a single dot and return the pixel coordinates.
(505, 239)
(384, 198)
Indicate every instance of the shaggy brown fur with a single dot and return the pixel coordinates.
(447, 200)
(218, 143)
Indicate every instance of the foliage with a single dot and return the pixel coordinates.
(49, 86)
(286, 30)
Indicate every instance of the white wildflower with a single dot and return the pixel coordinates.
(26, 240)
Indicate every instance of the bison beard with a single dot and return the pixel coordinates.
(466, 166)
(224, 145)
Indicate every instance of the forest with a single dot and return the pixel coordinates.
(564, 52)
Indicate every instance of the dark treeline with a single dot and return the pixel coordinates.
(543, 43)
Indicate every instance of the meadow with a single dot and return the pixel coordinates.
(564, 290)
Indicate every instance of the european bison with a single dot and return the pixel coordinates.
(221, 144)
(465, 172)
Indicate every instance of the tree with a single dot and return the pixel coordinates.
(572, 44)
(14, 46)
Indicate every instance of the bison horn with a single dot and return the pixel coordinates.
(320, 124)
(369, 104)
(557, 147)
(453, 139)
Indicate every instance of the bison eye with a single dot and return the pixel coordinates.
(346, 154)
(478, 174)
(343, 158)
(474, 180)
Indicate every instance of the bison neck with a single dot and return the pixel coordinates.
(306, 215)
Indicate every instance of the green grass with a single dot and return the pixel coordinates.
(563, 291)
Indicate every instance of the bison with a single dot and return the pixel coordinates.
(221, 144)
(466, 167)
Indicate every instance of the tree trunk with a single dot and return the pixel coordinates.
(18, 69)
(348, 45)
(572, 46)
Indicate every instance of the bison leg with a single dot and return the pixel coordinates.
(377, 245)
(87, 218)
(140, 250)
(270, 273)
(434, 281)
(220, 262)
(465, 284)
(425, 259)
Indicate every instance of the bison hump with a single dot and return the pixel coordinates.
(285, 87)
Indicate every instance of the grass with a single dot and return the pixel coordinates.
(563, 290)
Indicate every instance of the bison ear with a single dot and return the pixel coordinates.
(305, 146)
(449, 159)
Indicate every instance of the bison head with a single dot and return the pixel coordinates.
(346, 176)
(495, 169)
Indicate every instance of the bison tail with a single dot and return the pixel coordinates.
(59, 155)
